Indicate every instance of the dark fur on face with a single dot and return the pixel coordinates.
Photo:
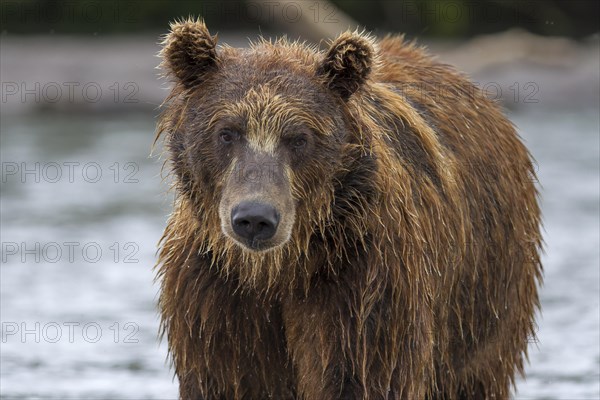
(340, 230)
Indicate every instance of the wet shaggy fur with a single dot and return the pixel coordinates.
(411, 266)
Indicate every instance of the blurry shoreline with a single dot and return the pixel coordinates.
(120, 74)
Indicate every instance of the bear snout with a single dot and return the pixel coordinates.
(254, 222)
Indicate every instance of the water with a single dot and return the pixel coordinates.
(82, 324)
(116, 355)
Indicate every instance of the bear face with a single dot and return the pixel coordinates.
(260, 135)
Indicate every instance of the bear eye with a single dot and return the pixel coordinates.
(228, 136)
(299, 142)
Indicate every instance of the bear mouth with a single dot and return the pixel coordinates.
(256, 245)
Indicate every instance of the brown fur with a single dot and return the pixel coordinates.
(412, 260)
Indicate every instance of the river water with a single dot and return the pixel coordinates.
(83, 207)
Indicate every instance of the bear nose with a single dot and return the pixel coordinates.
(254, 221)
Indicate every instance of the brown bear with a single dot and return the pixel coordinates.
(350, 223)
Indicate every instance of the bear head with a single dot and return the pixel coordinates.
(261, 139)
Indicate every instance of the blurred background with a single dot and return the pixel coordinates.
(83, 203)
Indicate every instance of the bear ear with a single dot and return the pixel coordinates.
(347, 63)
(189, 52)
